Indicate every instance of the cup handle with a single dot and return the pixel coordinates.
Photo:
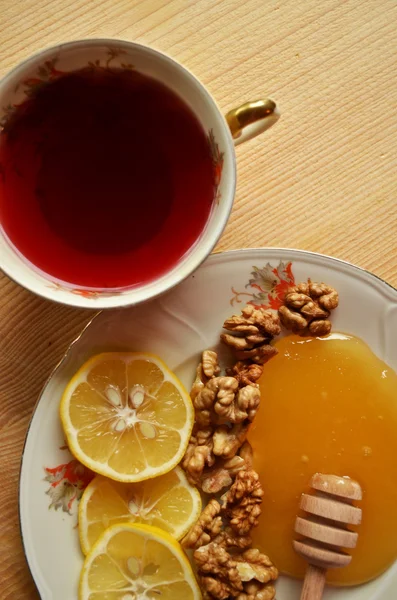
(251, 119)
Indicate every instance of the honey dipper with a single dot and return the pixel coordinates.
(324, 529)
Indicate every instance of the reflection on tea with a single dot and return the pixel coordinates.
(108, 178)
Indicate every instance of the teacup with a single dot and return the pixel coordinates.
(223, 134)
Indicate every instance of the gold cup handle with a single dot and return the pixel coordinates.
(251, 118)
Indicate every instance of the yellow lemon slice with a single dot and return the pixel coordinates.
(129, 562)
(168, 502)
(127, 416)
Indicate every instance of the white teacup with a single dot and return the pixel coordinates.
(239, 125)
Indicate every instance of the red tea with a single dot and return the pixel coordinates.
(106, 178)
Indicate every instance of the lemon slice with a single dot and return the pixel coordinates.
(131, 562)
(127, 416)
(168, 502)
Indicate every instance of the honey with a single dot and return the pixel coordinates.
(328, 405)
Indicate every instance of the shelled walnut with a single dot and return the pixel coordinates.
(245, 372)
(225, 575)
(219, 456)
(199, 454)
(226, 405)
(251, 333)
(237, 407)
(209, 361)
(206, 369)
(206, 528)
(227, 565)
(257, 591)
(222, 474)
(242, 503)
(224, 408)
(307, 307)
(252, 564)
(227, 440)
(217, 393)
(228, 539)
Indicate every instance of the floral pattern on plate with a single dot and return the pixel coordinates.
(67, 484)
(269, 285)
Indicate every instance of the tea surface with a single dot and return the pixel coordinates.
(107, 178)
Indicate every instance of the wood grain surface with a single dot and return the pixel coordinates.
(323, 178)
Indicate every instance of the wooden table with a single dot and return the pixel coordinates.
(323, 179)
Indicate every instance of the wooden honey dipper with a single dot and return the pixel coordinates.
(324, 529)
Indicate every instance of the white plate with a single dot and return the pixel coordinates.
(177, 327)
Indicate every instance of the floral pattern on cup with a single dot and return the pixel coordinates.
(47, 72)
(85, 293)
(268, 284)
(217, 162)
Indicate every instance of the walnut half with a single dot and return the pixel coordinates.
(207, 368)
(206, 528)
(251, 333)
(239, 406)
(242, 503)
(245, 372)
(222, 475)
(307, 307)
(199, 454)
(246, 576)
(218, 391)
